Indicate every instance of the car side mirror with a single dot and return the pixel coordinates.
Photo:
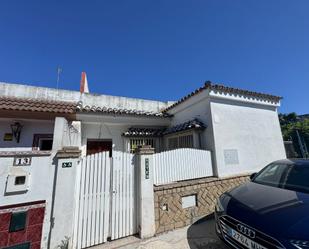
(252, 176)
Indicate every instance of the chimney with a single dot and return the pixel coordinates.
(84, 83)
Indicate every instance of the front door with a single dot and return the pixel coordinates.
(96, 146)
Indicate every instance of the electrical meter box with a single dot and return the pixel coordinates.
(18, 181)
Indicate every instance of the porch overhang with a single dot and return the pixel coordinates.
(144, 132)
(194, 124)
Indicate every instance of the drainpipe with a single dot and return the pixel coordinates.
(57, 144)
(52, 219)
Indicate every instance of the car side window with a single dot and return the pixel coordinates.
(297, 178)
(271, 175)
(287, 176)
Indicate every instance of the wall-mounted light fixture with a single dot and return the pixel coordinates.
(16, 130)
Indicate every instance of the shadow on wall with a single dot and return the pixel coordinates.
(201, 234)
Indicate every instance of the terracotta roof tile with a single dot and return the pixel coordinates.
(104, 110)
(191, 124)
(222, 88)
(36, 105)
(158, 132)
(143, 132)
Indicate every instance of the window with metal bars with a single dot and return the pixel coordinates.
(184, 141)
(135, 142)
(173, 143)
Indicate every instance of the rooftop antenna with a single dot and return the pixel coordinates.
(59, 71)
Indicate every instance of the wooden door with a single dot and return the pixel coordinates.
(96, 146)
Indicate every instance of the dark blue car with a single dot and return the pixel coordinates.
(270, 211)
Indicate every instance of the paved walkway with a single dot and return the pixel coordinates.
(197, 236)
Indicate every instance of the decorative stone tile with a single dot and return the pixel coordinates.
(34, 233)
(33, 228)
(5, 221)
(36, 216)
(17, 237)
(35, 245)
(4, 237)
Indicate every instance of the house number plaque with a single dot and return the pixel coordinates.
(22, 161)
(67, 165)
(146, 168)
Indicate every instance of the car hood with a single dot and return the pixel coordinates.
(275, 211)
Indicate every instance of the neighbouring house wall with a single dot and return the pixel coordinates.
(41, 169)
(42, 172)
(169, 213)
(247, 136)
(41, 184)
(30, 127)
(33, 226)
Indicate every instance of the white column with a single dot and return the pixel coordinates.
(146, 195)
(59, 127)
(66, 133)
(64, 197)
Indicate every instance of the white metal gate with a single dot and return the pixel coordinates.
(106, 203)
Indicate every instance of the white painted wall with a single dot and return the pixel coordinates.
(66, 134)
(198, 107)
(251, 129)
(41, 181)
(247, 124)
(64, 202)
(30, 127)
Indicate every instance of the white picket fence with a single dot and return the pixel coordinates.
(107, 189)
(93, 204)
(181, 164)
(106, 203)
(124, 218)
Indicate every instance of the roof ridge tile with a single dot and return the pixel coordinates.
(220, 87)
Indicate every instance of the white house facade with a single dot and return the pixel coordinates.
(49, 136)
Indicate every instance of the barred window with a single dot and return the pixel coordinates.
(173, 143)
(185, 141)
(135, 142)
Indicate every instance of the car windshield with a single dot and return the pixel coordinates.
(287, 176)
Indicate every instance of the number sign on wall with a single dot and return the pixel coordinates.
(22, 161)
(147, 168)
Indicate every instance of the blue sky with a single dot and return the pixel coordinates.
(159, 49)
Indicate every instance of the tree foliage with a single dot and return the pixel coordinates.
(290, 123)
